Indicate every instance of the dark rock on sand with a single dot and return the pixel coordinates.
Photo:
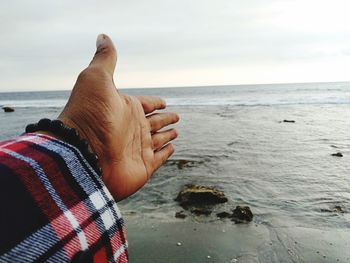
(180, 215)
(242, 214)
(289, 121)
(201, 200)
(182, 163)
(338, 209)
(223, 215)
(8, 109)
(199, 196)
(338, 154)
(201, 211)
(334, 209)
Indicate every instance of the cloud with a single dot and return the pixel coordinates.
(45, 44)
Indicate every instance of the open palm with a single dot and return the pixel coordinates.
(124, 131)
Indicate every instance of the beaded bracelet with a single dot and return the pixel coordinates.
(69, 135)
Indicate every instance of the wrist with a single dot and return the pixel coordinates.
(94, 144)
(60, 130)
(82, 133)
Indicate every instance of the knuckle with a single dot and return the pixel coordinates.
(92, 73)
(84, 75)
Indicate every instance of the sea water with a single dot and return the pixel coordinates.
(234, 138)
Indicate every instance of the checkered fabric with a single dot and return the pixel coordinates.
(54, 207)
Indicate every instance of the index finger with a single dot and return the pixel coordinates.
(151, 103)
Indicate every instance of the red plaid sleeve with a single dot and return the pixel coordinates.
(54, 207)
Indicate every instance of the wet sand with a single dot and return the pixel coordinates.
(223, 241)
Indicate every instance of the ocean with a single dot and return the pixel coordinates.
(235, 138)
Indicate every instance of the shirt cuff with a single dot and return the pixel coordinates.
(68, 209)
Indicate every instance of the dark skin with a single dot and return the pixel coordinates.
(125, 132)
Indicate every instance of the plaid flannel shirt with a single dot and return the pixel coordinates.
(54, 207)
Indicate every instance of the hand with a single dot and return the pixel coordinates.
(122, 130)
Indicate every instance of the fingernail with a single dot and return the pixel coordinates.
(101, 40)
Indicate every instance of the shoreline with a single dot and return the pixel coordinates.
(223, 241)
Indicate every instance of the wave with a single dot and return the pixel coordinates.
(41, 103)
(265, 103)
(255, 95)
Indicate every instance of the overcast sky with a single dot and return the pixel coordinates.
(160, 43)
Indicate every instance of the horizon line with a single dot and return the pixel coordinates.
(194, 86)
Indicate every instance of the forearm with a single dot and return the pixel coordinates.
(54, 205)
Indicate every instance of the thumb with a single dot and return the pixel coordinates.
(106, 54)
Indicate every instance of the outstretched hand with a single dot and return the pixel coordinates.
(124, 131)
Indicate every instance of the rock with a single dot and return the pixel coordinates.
(223, 215)
(334, 209)
(289, 121)
(338, 209)
(8, 109)
(338, 154)
(180, 215)
(197, 195)
(201, 211)
(178, 244)
(242, 214)
(183, 163)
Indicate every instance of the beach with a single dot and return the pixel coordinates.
(268, 147)
(154, 241)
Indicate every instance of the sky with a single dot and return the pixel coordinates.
(161, 43)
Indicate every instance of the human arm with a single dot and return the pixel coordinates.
(124, 131)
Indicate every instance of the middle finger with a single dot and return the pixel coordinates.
(158, 121)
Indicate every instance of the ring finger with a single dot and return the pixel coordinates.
(159, 139)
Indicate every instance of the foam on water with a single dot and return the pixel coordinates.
(246, 95)
(34, 103)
